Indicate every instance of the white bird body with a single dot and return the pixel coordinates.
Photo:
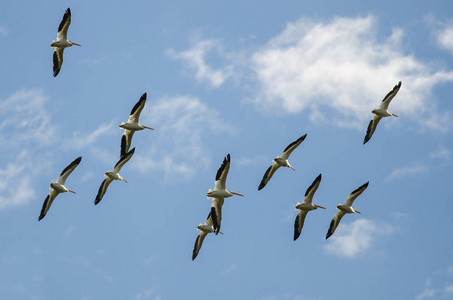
(132, 124)
(58, 187)
(220, 193)
(62, 42)
(113, 175)
(306, 206)
(381, 112)
(345, 208)
(281, 161)
(205, 228)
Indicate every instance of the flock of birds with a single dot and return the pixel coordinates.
(219, 193)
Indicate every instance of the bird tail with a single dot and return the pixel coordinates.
(298, 203)
(208, 193)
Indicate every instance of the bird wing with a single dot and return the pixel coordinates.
(299, 223)
(334, 223)
(68, 170)
(355, 194)
(216, 213)
(64, 25)
(47, 203)
(57, 60)
(126, 141)
(371, 128)
(287, 152)
(222, 173)
(123, 159)
(311, 190)
(268, 175)
(198, 243)
(102, 189)
(137, 109)
(386, 101)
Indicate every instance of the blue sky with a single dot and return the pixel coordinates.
(227, 77)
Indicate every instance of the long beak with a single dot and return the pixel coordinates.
(292, 167)
(394, 115)
(124, 180)
(76, 44)
(236, 194)
(318, 206)
(72, 191)
(221, 232)
(147, 127)
(357, 211)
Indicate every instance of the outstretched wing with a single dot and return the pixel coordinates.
(198, 243)
(355, 194)
(222, 173)
(64, 25)
(216, 213)
(102, 189)
(334, 223)
(68, 170)
(268, 175)
(312, 189)
(57, 60)
(137, 109)
(290, 148)
(299, 223)
(371, 128)
(47, 203)
(386, 101)
(123, 160)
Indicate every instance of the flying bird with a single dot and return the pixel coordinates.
(205, 228)
(220, 192)
(381, 112)
(113, 175)
(281, 161)
(306, 206)
(58, 187)
(132, 124)
(345, 209)
(61, 42)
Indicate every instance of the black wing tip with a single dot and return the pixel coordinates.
(261, 186)
(363, 186)
(41, 217)
(68, 11)
(330, 231)
(143, 96)
(296, 226)
(131, 151)
(317, 179)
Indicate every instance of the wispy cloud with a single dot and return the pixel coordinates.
(441, 153)
(444, 37)
(196, 60)
(351, 240)
(180, 144)
(438, 286)
(408, 170)
(338, 71)
(149, 293)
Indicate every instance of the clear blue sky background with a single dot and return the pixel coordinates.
(239, 77)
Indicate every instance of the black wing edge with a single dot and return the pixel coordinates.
(263, 181)
(137, 105)
(215, 222)
(99, 196)
(56, 69)
(75, 162)
(43, 209)
(318, 179)
(365, 185)
(195, 253)
(330, 231)
(67, 14)
(296, 227)
(130, 153)
(123, 145)
(301, 139)
(368, 131)
(222, 167)
(396, 87)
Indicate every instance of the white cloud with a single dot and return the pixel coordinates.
(196, 60)
(408, 170)
(3, 31)
(445, 38)
(180, 146)
(353, 239)
(338, 71)
(148, 294)
(83, 140)
(438, 286)
(441, 153)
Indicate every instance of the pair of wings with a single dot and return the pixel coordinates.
(126, 139)
(285, 155)
(62, 35)
(384, 105)
(105, 184)
(339, 215)
(61, 180)
(201, 236)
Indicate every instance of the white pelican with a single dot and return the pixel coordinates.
(220, 192)
(204, 230)
(58, 187)
(113, 175)
(345, 209)
(306, 206)
(132, 124)
(381, 112)
(281, 161)
(61, 42)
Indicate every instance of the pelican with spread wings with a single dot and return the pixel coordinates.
(205, 228)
